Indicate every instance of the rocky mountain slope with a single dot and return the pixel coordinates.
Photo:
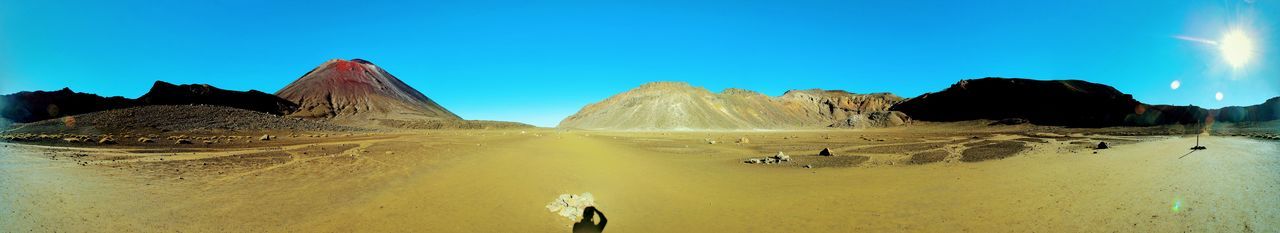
(1267, 111)
(846, 110)
(358, 91)
(163, 93)
(31, 106)
(679, 106)
(25, 107)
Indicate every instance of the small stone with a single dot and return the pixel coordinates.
(752, 161)
(265, 137)
(744, 140)
(182, 141)
(808, 166)
(1102, 146)
(106, 141)
(145, 140)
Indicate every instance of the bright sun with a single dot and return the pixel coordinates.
(1236, 47)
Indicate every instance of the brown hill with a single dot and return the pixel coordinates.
(358, 91)
(679, 106)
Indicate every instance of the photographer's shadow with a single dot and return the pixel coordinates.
(587, 225)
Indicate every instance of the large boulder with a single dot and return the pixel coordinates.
(826, 152)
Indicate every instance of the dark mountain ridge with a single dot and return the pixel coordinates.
(1071, 103)
(32, 106)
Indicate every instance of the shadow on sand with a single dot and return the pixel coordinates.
(1185, 155)
(586, 225)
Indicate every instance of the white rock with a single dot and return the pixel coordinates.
(782, 157)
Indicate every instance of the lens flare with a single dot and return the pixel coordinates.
(1177, 205)
(1236, 48)
(1197, 40)
(1218, 96)
(1175, 84)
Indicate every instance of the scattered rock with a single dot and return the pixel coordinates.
(744, 140)
(778, 158)
(106, 141)
(1009, 121)
(143, 120)
(182, 141)
(781, 157)
(72, 140)
(145, 140)
(826, 152)
(808, 166)
(265, 137)
(1102, 146)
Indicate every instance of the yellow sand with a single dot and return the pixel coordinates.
(487, 181)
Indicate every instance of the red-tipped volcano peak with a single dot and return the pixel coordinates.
(354, 65)
(358, 89)
(348, 72)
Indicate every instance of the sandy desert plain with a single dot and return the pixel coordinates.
(348, 147)
(938, 177)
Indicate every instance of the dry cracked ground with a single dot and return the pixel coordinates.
(500, 181)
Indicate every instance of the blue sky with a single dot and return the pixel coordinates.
(540, 61)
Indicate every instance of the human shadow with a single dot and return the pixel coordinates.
(1188, 153)
(586, 225)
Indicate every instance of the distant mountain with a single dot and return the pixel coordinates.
(1267, 111)
(25, 107)
(678, 106)
(163, 93)
(32, 106)
(1071, 103)
(359, 91)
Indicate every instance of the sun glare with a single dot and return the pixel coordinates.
(1236, 48)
